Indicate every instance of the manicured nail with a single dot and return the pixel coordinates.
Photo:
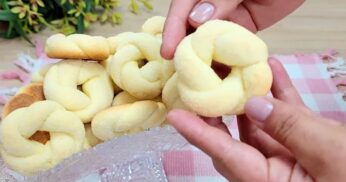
(258, 109)
(202, 12)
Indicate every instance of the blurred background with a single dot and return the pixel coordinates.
(314, 27)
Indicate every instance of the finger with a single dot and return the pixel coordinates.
(242, 17)
(211, 9)
(256, 137)
(283, 88)
(310, 138)
(217, 122)
(266, 13)
(264, 2)
(221, 147)
(176, 26)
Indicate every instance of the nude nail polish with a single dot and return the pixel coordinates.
(202, 12)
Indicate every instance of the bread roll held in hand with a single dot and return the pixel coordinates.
(170, 94)
(201, 89)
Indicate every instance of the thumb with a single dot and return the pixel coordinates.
(285, 123)
(211, 9)
(310, 138)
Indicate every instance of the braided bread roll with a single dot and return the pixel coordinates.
(130, 73)
(199, 86)
(170, 94)
(115, 41)
(128, 116)
(154, 26)
(77, 46)
(25, 97)
(124, 98)
(96, 92)
(90, 139)
(38, 76)
(26, 156)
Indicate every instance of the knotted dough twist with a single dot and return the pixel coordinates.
(27, 156)
(26, 96)
(128, 116)
(78, 46)
(154, 26)
(200, 87)
(90, 139)
(129, 70)
(64, 79)
(170, 94)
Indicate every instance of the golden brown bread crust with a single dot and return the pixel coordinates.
(77, 46)
(41, 136)
(24, 98)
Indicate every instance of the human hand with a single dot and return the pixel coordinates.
(255, 15)
(281, 139)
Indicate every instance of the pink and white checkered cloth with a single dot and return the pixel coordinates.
(311, 74)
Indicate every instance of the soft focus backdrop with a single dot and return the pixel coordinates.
(314, 27)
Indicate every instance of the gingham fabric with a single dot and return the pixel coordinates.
(312, 77)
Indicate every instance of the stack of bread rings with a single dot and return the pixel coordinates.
(109, 87)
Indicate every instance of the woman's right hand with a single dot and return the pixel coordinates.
(255, 15)
(281, 139)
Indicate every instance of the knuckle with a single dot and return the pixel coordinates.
(286, 127)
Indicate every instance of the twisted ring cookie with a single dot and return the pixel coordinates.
(154, 26)
(77, 46)
(27, 156)
(38, 76)
(200, 87)
(128, 116)
(170, 95)
(25, 97)
(90, 139)
(81, 87)
(130, 71)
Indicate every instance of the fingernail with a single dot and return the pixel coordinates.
(202, 12)
(258, 109)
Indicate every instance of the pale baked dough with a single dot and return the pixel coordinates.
(131, 74)
(77, 46)
(115, 41)
(26, 96)
(96, 92)
(38, 76)
(90, 139)
(106, 65)
(199, 86)
(27, 156)
(128, 116)
(124, 98)
(154, 26)
(170, 95)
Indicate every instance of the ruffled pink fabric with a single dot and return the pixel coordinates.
(15, 75)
